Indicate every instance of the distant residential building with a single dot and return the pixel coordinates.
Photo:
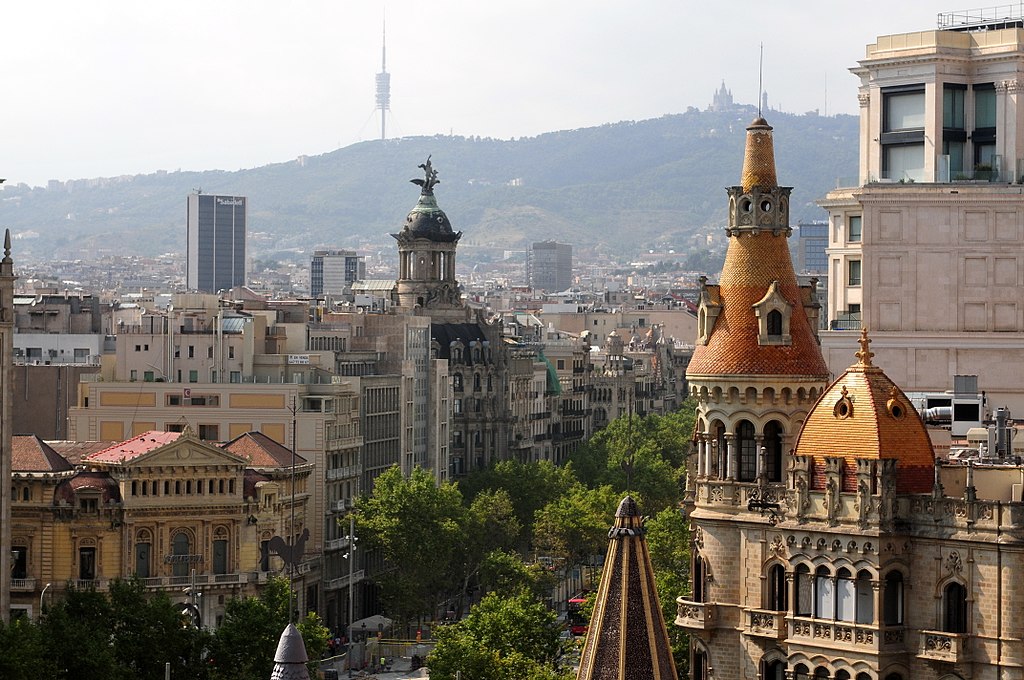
(551, 266)
(215, 252)
(332, 272)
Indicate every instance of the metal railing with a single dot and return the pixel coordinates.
(987, 18)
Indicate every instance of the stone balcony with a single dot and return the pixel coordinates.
(938, 646)
(827, 633)
(764, 623)
(695, 615)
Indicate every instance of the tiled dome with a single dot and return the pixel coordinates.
(864, 414)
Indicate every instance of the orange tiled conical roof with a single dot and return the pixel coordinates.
(864, 414)
(759, 157)
(627, 637)
(758, 257)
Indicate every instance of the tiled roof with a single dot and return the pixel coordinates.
(752, 262)
(261, 451)
(134, 447)
(93, 481)
(76, 452)
(864, 414)
(756, 258)
(627, 636)
(29, 453)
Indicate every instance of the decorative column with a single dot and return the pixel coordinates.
(702, 445)
(730, 457)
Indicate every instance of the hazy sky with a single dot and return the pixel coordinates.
(112, 87)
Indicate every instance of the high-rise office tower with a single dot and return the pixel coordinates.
(332, 272)
(551, 266)
(216, 242)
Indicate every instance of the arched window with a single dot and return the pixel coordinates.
(747, 450)
(842, 675)
(699, 667)
(800, 672)
(774, 322)
(804, 591)
(777, 600)
(893, 599)
(774, 670)
(955, 605)
(865, 598)
(846, 600)
(773, 451)
(821, 672)
(143, 554)
(457, 382)
(699, 579)
(824, 594)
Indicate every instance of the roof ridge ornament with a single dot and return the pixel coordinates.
(865, 353)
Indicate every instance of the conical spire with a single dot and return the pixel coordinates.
(290, 659)
(759, 158)
(627, 636)
(755, 322)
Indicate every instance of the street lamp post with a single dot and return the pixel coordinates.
(41, 596)
(351, 603)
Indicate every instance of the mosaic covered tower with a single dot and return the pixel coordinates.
(627, 637)
(757, 367)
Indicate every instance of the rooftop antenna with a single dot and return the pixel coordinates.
(383, 83)
(760, 71)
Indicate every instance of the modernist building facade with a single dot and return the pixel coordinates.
(215, 252)
(332, 272)
(926, 250)
(827, 540)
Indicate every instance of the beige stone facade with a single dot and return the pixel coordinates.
(926, 252)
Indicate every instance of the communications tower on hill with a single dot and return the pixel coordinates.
(383, 86)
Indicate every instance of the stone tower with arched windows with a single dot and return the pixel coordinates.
(757, 367)
(829, 541)
(756, 372)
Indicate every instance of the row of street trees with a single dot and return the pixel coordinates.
(129, 634)
(443, 546)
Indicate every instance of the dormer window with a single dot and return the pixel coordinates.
(773, 314)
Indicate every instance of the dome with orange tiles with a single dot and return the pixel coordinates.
(757, 267)
(864, 414)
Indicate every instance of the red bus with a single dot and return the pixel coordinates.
(575, 617)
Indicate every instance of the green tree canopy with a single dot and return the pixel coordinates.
(419, 527)
(575, 525)
(503, 638)
(244, 645)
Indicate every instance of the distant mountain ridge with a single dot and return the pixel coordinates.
(620, 187)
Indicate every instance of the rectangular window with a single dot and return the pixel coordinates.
(824, 597)
(953, 107)
(133, 375)
(231, 352)
(903, 111)
(854, 279)
(209, 352)
(87, 564)
(903, 162)
(191, 351)
(19, 561)
(209, 432)
(193, 376)
(147, 376)
(220, 557)
(853, 228)
(902, 136)
(236, 376)
(984, 106)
